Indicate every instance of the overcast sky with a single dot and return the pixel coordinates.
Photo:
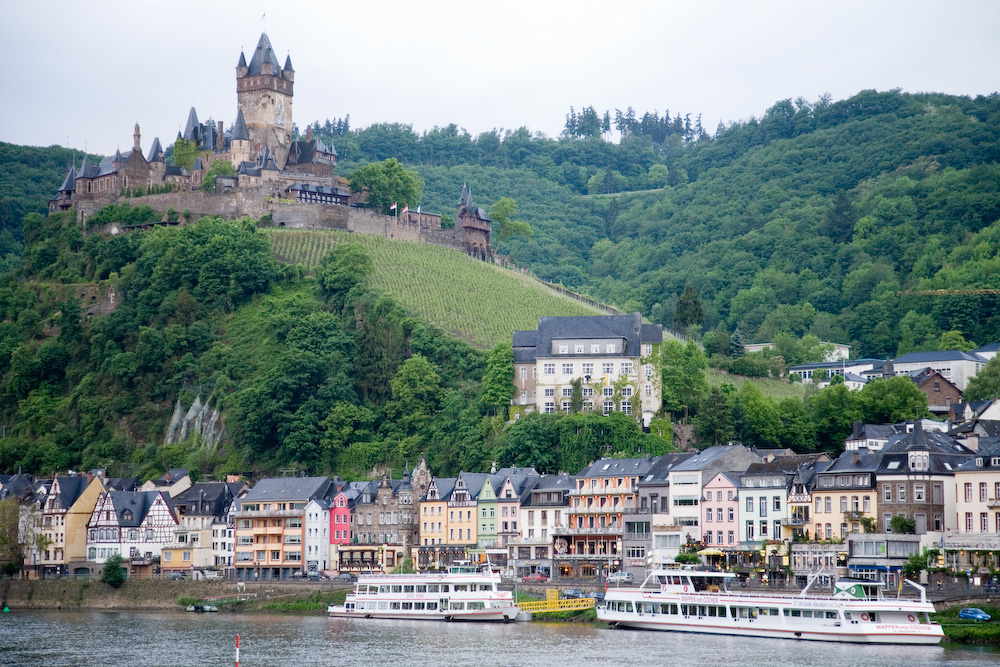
(85, 72)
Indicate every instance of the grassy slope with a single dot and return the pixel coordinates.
(775, 389)
(478, 302)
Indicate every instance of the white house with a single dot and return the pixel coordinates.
(317, 540)
(957, 366)
(135, 524)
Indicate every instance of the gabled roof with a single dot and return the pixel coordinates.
(659, 473)
(136, 504)
(989, 347)
(263, 54)
(69, 489)
(590, 327)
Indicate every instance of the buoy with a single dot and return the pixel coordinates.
(6, 609)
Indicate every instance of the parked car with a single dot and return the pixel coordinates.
(620, 578)
(314, 575)
(572, 593)
(177, 576)
(534, 578)
(974, 614)
(597, 595)
(345, 578)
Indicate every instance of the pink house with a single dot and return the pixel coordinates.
(340, 512)
(720, 511)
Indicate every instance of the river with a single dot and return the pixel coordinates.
(108, 639)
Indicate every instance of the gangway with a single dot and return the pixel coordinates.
(552, 602)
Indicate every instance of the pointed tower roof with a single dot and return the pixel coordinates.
(69, 183)
(191, 129)
(288, 63)
(243, 60)
(466, 197)
(155, 152)
(263, 54)
(197, 163)
(240, 130)
(118, 155)
(85, 166)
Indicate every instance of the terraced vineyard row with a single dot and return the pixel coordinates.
(478, 302)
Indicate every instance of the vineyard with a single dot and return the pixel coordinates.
(478, 302)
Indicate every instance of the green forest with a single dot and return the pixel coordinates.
(817, 221)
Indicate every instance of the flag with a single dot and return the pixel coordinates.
(405, 209)
(418, 210)
(263, 15)
(392, 208)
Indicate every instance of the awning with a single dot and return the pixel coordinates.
(710, 552)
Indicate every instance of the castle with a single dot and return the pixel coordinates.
(293, 181)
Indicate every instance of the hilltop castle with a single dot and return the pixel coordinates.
(275, 175)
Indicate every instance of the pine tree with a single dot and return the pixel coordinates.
(689, 311)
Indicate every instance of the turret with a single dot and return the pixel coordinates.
(287, 72)
(136, 146)
(241, 67)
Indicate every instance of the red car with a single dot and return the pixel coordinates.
(535, 578)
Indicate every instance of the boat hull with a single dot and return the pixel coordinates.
(878, 633)
(494, 614)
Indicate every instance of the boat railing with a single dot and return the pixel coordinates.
(765, 594)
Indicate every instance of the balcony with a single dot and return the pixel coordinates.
(795, 521)
(597, 530)
(854, 514)
(993, 503)
(270, 514)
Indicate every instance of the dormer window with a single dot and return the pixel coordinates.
(127, 515)
(563, 348)
(611, 348)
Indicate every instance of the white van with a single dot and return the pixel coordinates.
(620, 578)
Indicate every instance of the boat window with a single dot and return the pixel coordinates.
(847, 615)
(408, 589)
(422, 588)
(460, 587)
(485, 587)
(396, 588)
(456, 606)
(831, 614)
(475, 605)
(444, 588)
(432, 588)
(383, 589)
(383, 605)
(419, 606)
(408, 605)
(432, 606)
(394, 605)
(668, 609)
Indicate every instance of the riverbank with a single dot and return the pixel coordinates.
(147, 594)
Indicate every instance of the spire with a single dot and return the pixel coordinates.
(263, 54)
(288, 64)
(191, 129)
(69, 184)
(155, 152)
(240, 130)
(85, 166)
(243, 60)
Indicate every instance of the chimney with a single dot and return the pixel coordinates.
(219, 140)
(168, 478)
(856, 457)
(90, 477)
(309, 133)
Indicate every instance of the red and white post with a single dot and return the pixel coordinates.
(237, 650)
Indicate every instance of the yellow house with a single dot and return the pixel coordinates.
(67, 510)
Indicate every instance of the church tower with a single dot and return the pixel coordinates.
(264, 97)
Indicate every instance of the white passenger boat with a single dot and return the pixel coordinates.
(701, 601)
(463, 593)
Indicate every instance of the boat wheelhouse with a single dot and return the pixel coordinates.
(701, 601)
(463, 593)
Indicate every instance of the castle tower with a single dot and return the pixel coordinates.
(476, 226)
(136, 146)
(239, 148)
(264, 96)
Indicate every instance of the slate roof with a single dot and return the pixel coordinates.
(939, 355)
(872, 431)
(137, 503)
(945, 454)
(205, 499)
(263, 54)
(922, 375)
(155, 151)
(242, 61)
(240, 130)
(121, 483)
(445, 485)
(613, 467)
(659, 473)
(867, 461)
(989, 347)
(703, 458)
(70, 488)
(20, 485)
(193, 127)
(288, 63)
(288, 488)
(69, 183)
(587, 327)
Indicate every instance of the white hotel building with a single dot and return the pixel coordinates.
(615, 356)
